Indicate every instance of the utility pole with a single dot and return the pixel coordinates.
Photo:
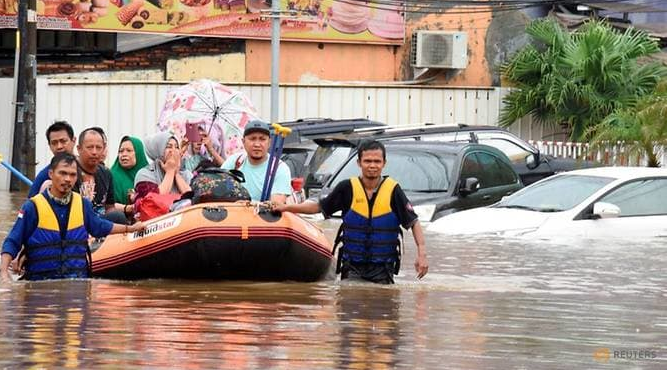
(276, 40)
(23, 148)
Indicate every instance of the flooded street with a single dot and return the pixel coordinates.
(485, 304)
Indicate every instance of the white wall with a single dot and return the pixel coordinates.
(6, 125)
(123, 108)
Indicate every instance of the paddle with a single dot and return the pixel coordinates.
(15, 172)
(276, 148)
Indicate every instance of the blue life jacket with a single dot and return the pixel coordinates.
(53, 253)
(371, 235)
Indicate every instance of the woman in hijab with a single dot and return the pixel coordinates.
(130, 160)
(162, 175)
(204, 149)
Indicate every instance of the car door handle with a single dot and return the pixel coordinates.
(485, 197)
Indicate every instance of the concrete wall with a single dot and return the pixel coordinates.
(475, 25)
(222, 67)
(312, 62)
(492, 37)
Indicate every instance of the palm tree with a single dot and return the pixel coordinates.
(577, 79)
(642, 126)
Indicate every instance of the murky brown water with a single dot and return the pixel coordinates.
(485, 304)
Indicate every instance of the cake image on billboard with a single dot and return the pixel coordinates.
(387, 23)
(349, 16)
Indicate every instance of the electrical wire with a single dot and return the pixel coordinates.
(461, 6)
(466, 7)
(487, 3)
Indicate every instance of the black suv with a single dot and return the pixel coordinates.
(528, 162)
(441, 178)
(299, 149)
(322, 153)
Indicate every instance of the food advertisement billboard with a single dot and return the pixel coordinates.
(303, 20)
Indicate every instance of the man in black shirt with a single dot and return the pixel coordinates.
(373, 207)
(96, 183)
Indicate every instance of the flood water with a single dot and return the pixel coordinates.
(485, 304)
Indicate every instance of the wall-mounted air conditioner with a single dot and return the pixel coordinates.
(439, 49)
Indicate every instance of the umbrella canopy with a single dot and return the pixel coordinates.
(222, 111)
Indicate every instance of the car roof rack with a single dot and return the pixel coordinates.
(387, 133)
(305, 128)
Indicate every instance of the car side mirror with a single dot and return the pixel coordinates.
(605, 210)
(469, 185)
(532, 160)
(317, 181)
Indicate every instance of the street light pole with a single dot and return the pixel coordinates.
(276, 39)
(23, 147)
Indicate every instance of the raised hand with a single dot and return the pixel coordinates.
(206, 141)
(172, 162)
(184, 145)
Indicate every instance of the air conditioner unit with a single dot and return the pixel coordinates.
(439, 49)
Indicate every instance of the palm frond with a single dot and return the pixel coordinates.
(580, 78)
(547, 31)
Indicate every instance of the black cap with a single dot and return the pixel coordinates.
(256, 126)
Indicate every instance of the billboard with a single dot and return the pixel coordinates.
(306, 20)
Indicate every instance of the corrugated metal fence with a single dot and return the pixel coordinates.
(133, 107)
(123, 108)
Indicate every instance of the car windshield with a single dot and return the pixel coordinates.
(328, 159)
(512, 150)
(557, 194)
(295, 159)
(414, 170)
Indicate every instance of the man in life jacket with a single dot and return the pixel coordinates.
(373, 208)
(253, 162)
(54, 227)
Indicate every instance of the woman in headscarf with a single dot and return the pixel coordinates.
(162, 175)
(130, 160)
(203, 149)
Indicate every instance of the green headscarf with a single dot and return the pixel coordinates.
(124, 179)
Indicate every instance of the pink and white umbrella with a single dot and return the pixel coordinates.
(223, 112)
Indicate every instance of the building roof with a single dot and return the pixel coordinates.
(127, 42)
(571, 21)
(624, 7)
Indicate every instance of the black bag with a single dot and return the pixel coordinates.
(217, 185)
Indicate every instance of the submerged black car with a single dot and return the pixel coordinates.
(304, 157)
(317, 155)
(441, 178)
(530, 164)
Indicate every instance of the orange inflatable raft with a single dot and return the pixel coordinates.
(218, 241)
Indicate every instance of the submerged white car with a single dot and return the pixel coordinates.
(610, 202)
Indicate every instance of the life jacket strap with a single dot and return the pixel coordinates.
(370, 229)
(369, 242)
(47, 273)
(60, 243)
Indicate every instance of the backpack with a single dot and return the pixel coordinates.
(217, 185)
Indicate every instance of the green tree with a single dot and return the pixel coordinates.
(576, 79)
(642, 126)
